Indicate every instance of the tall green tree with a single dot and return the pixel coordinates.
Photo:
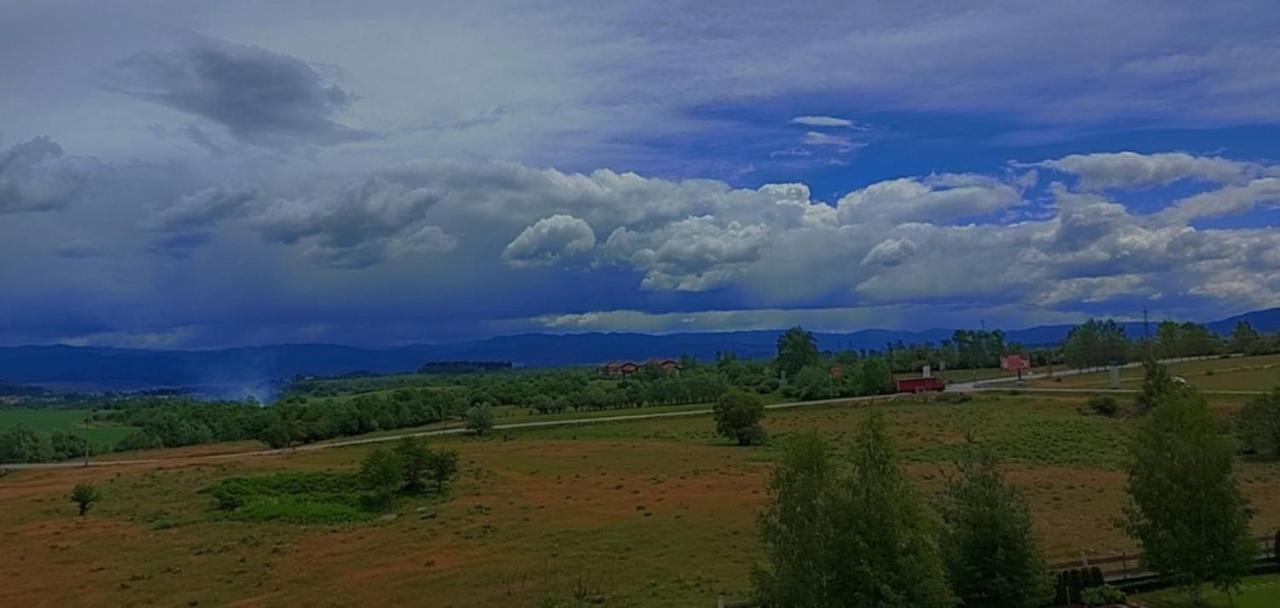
(1185, 507)
(990, 552)
(796, 349)
(797, 528)
(1244, 339)
(859, 539)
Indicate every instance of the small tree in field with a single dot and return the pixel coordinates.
(382, 471)
(479, 419)
(990, 551)
(84, 495)
(738, 417)
(415, 458)
(442, 467)
(1185, 507)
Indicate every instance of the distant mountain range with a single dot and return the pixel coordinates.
(236, 370)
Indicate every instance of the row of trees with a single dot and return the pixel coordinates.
(852, 531)
(23, 444)
(1097, 343)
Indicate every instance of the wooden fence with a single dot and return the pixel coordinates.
(1122, 570)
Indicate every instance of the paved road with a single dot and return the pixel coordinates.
(431, 433)
(991, 383)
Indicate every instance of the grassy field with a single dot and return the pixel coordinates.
(1256, 592)
(70, 421)
(1236, 373)
(647, 513)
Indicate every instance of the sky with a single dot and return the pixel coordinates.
(212, 174)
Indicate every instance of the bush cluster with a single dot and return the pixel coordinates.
(1071, 584)
(409, 468)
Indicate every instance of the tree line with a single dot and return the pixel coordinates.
(847, 528)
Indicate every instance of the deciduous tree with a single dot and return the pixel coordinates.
(1185, 507)
(738, 415)
(796, 349)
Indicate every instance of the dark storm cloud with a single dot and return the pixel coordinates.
(186, 224)
(38, 176)
(261, 97)
(364, 224)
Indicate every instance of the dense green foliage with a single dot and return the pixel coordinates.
(296, 497)
(1095, 343)
(1185, 340)
(23, 444)
(989, 549)
(1245, 339)
(479, 418)
(858, 538)
(410, 468)
(1185, 506)
(1258, 425)
(738, 416)
(796, 349)
(1158, 386)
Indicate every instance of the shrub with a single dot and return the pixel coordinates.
(84, 495)
(1073, 584)
(1102, 596)
(296, 497)
(954, 397)
(1103, 405)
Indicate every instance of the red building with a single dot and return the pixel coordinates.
(618, 369)
(670, 366)
(622, 369)
(918, 385)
